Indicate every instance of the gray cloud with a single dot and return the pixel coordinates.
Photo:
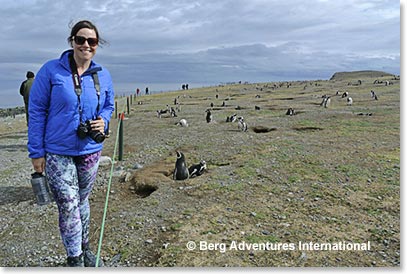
(206, 41)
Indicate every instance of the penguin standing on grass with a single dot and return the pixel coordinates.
(208, 116)
(181, 171)
(242, 124)
(290, 111)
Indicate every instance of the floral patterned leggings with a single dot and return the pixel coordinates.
(71, 181)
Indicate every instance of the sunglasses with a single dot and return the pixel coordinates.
(80, 40)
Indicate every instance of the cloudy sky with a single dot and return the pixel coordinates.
(164, 43)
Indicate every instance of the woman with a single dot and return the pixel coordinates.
(68, 115)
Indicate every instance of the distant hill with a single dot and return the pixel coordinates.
(359, 74)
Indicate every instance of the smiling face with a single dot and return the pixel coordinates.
(85, 52)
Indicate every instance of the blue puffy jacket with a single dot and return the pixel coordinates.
(54, 111)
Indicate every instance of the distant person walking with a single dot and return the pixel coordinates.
(138, 91)
(146, 90)
(25, 90)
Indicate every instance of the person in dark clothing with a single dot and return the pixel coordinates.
(25, 90)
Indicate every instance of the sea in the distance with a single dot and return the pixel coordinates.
(11, 97)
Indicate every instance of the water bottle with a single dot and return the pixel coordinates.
(40, 188)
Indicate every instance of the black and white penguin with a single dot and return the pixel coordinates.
(172, 112)
(232, 118)
(160, 112)
(178, 107)
(290, 111)
(181, 171)
(326, 101)
(208, 116)
(197, 170)
(182, 123)
(323, 99)
(242, 124)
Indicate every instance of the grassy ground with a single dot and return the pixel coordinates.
(325, 175)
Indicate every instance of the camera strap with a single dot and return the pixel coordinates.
(97, 87)
(77, 84)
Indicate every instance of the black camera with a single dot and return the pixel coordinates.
(85, 129)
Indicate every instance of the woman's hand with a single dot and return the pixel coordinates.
(39, 164)
(98, 124)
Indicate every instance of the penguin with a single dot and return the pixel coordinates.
(350, 101)
(326, 101)
(242, 124)
(197, 170)
(182, 123)
(256, 108)
(178, 107)
(172, 112)
(181, 171)
(290, 111)
(160, 112)
(345, 94)
(324, 97)
(208, 116)
(231, 119)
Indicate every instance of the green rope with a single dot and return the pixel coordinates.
(107, 195)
